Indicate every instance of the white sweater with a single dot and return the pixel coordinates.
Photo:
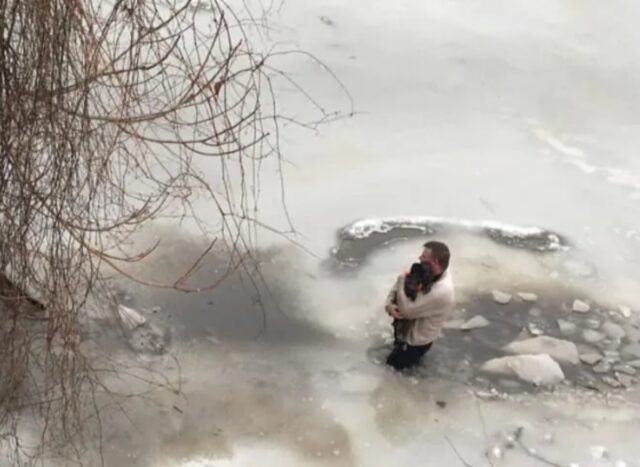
(428, 312)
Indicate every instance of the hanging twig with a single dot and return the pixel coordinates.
(112, 115)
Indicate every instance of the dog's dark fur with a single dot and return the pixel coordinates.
(420, 278)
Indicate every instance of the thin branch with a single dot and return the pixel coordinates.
(456, 452)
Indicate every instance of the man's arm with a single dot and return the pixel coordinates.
(438, 299)
(391, 302)
(392, 296)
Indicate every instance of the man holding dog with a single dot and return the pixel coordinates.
(424, 316)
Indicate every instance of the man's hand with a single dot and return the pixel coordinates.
(393, 311)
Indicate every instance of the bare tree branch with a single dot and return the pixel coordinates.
(110, 116)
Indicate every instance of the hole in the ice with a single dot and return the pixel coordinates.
(606, 345)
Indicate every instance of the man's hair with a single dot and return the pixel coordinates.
(439, 252)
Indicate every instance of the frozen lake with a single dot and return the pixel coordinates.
(524, 114)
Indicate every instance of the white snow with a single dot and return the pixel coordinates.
(613, 330)
(130, 318)
(365, 227)
(500, 297)
(625, 311)
(528, 296)
(536, 369)
(561, 350)
(475, 322)
(580, 306)
(590, 358)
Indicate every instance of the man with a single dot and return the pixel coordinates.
(426, 314)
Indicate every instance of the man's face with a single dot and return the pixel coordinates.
(426, 258)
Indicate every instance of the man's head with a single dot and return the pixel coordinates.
(437, 255)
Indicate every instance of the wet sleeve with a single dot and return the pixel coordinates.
(392, 295)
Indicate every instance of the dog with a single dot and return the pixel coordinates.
(419, 280)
